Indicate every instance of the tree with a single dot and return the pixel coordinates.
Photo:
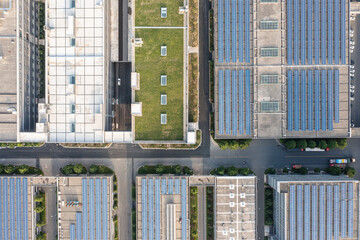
(193, 190)
(177, 169)
(93, 169)
(334, 170)
(311, 144)
(79, 169)
(342, 143)
(233, 144)
(332, 143)
(39, 208)
(223, 144)
(159, 169)
(245, 171)
(350, 171)
(322, 144)
(68, 169)
(303, 171)
(2, 167)
(290, 144)
(41, 236)
(220, 171)
(301, 143)
(317, 170)
(23, 169)
(187, 170)
(9, 169)
(232, 171)
(40, 197)
(270, 171)
(285, 170)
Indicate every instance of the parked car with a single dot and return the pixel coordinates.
(342, 160)
(296, 166)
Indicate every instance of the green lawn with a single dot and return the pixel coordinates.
(147, 13)
(151, 65)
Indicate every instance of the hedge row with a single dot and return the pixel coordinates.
(193, 213)
(269, 203)
(81, 169)
(313, 143)
(40, 208)
(210, 213)
(231, 171)
(165, 169)
(22, 169)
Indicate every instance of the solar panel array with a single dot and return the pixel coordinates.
(328, 36)
(94, 215)
(233, 31)
(323, 211)
(151, 189)
(304, 104)
(234, 105)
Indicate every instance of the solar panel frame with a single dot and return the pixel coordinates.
(157, 208)
(292, 212)
(163, 186)
(170, 186)
(299, 211)
(144, 208)
(329, 214)
(227, 102)
(241, 102)
(337, 96)
(289, 32)
(310, 100)
(330, 31)
(220, 32)
(321, 212)
(303, 100)
(330, 100)
(337, 32)
(296, 101)
(183, 209)
(343, 213)
(323, 32)
(336, 212)
(303, 32)
(317, 32)
(12, 208)
(314, 209)
(310, 31)
(18, 208)
(6, 208)
(323, 100)
(241, 30)
(25, 206)
(234, 95)
(227, 31)
(105, 207)
(247, 102)
(151, 209)
(98, 208)
(343, 31)
(296, 32)
(350, 210)
(247, 31)
(221, 102)
(177, 186)
(72, 231)
(290, 100)
(85, 208)
(91, 209)
(78, 225)
(233, 31)
(317, 100)
(306, 212)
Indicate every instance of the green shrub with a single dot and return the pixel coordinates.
(9, 169)
(232, 171)
(187, 171)
(244, 171)
(68, 169)
(317, 170)
(311, 144)
(350, 171)
(270, 171)
(342, 143)
(285, 170)
(177, 169)
(290, 144)
(39, 208)
(23, 169)
(303, 171)
(301, 143)
(40, 197)
(334, 170)
(93, 169)
(159, 169)
(41, 236)
(79, 169)
(322, 144)
(2, 168)
(332, 143)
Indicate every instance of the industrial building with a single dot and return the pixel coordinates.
(315, 206)
(281, 68)
(162, 206)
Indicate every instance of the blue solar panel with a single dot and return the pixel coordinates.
(6, 208)
(329, 209)
(317, 100)
(151, 208)
(170, 186)
(25, 206)
(323, 100)
(350, 210)
(241, 102)
(296, 100)
(18, 208)
(310, 29)
(337, 118)
(221, 102)
(314, 209)
(105, 208)
(247, 101)
(220, 32)
(289, 32)
(322, 212)
(247, 31)
(12, 209)
(292, 212)
(72, 231)
(91, 209)
(323, 31)
(78, 225)
(227, 31)
(177, 186)
(337, 32)
(330, 100)
(234, 103)
(157, 208)
(85, 208)
(303, 100)
(233, 31)
(299, 211)
(98, 208)
(144, 207)
(306, 212)
(241, 30)
(317, 32)
(330, 31)
(163, 186)
(183, 209)
(296, 32)
(343, 210)
(343, 31)
(336, 212)
(303, 32)
(290, 101)
(310, 100)
(227, 102)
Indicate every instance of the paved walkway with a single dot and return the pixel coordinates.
(202, 213)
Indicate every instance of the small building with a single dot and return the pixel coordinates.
(163, 12)
(163, 51)
(163, 119)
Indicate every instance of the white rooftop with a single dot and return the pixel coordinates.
(82, 22)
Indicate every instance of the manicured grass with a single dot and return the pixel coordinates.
(148, 13)
(151, 66)
(193, 87)
(194, 23)
(180, 146)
